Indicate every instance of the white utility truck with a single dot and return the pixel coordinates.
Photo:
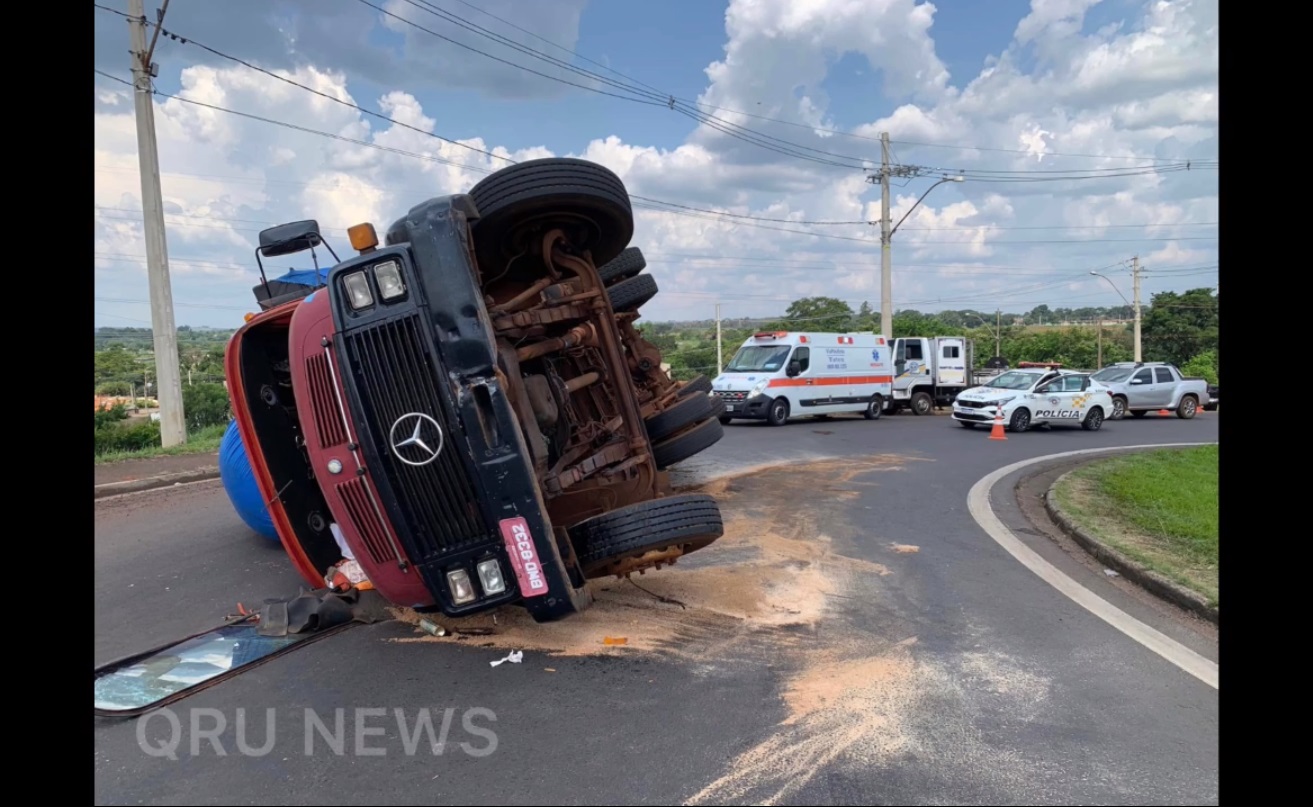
(776, 375)
(931, 371)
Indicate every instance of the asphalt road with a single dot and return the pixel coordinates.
(855, 639)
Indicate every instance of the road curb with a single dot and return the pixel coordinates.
(1147, 579)
(152, 482)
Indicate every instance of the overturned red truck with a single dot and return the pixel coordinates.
(469, 406)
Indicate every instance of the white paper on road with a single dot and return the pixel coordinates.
(515, 657)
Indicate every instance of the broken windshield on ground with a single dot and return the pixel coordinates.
(185, 665)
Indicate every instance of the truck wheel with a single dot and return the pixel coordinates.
(623, 266)
(629, 295)
(1118, 409)
(688, 522)
(699, 383)
(778, 414)
(922, 403)
(1020, 420)
(874, 408)
(587, 200)
(1093, 421)
(1189, 406)
(676, 449)
(684, 413)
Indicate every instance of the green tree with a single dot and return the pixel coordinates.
(915, 323)
(1203, 366)
(819, 314)
(1177, 327)
(205, 405)
(117, 363)
(866, 320)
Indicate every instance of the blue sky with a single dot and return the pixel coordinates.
(959, 85)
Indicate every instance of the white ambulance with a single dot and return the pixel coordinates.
(777, 375)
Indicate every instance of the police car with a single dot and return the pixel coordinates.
(1035, 397)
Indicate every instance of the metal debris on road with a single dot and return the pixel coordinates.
(432, 628)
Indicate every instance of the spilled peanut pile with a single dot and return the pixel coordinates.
(775, 587)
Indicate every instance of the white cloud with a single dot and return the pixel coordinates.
(1147, 86)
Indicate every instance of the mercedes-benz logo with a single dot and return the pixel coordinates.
(416, 439)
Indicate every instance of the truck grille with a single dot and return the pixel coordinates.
(396, 373)
(362, 515)
(323, 404)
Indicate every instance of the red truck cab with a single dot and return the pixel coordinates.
(465, 405)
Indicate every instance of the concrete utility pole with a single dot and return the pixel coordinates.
(886, 268)
(1135, 295)
(173, 424)
(998, 332)
(887, 232)
(720, 363)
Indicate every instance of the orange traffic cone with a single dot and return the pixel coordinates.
(996, 433)
(1164, 413)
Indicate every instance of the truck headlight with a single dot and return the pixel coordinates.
(490, 576)
(759, 389)
(357, 289)
(388, 275)
(462, 590)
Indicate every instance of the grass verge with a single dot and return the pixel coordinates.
(1158, 508)
(200, 442)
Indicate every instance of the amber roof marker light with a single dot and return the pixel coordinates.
(363, 238)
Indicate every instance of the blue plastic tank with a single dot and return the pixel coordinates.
(239, 482)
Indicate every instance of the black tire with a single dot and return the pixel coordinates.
(717, 406)
(966, 425)
(922, 403)
(724, 420)
(1188, 407)
(778, 413)
(625, 265)
(699, 384)
(684, 413)
(1118, 409)
(691, 521)
(1020, 420)
(673, 450)
(587, 200)
(1093, 421)
(874, 408)
(629, 295)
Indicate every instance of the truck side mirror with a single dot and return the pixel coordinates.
(794, 369)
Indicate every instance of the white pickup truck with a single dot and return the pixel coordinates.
(1138, 389)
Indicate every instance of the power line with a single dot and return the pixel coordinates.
(647, 97)
(809, 127)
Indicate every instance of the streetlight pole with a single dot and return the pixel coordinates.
(1135, 274)
(887, 232)
(998, 331)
